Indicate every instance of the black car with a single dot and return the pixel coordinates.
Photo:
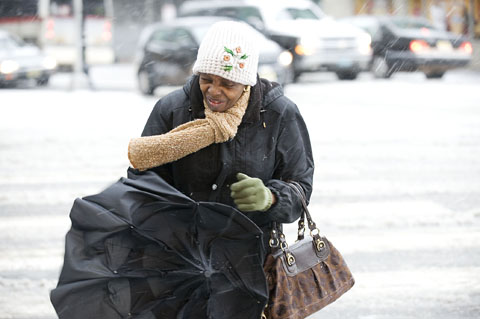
(404, 43)
(167, 51)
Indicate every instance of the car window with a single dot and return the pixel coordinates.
(246, 14)
(161, 36)
(182, 38)
(177, 37)
(201, 12)
(297, 13)
(24, 8)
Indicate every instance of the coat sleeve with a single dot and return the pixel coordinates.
(160, 121)
(294, 162)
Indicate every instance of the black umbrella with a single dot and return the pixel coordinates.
(142, 249)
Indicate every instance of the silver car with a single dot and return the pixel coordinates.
(22, 61)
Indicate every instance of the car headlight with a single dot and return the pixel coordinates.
(49, 63)
(364, 43)
(8, 66)
(306, 45)
(285, 58)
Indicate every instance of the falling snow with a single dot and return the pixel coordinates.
(396, 186)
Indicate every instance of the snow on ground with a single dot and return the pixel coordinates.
(397, 184)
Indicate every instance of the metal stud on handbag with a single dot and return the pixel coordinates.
(305, 276)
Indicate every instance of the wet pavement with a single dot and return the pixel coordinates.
(397, 184)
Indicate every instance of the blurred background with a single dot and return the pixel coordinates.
(346, 37)
(388, 89)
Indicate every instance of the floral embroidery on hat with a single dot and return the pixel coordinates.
(234, 59)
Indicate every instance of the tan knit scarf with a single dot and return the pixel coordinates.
(217, 127)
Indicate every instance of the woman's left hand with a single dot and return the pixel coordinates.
(250, 194)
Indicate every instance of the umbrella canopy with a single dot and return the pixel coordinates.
(142, 249)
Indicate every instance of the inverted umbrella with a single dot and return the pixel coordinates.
(142, 249)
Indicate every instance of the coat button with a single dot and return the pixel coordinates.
(214, 186)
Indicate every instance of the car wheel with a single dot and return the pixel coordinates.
(144, 83)
(434, 75)
(43, 81)
(296, 76)
(380, 68)
(286, 76)
(346, 75)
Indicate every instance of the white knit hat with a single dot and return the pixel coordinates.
(228, 50)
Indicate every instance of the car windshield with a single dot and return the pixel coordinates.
(10, 42)
(199, 31)
(243, 13)
(273, 15)
(295, 14)
(371, 26)
(411, 24)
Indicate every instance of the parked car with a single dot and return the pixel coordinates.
(316, 41)
(167, 51)
(403, 43)
(22, 61)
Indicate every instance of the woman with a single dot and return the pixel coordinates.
(229, 136)
(141, 249)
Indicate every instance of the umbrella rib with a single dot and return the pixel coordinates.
(140, 232)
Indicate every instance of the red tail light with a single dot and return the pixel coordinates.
(107, 31)
(467, 47)
(418, 45)
(50, 31)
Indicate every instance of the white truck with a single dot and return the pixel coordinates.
(316, 41)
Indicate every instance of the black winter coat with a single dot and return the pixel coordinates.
(272, 143)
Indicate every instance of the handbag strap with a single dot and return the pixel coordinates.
(305, 212)
(314, 231)
(277, 238)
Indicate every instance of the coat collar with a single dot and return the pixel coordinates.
(255, 103)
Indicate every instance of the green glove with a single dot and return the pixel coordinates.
(249, 194)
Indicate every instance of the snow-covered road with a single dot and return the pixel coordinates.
(397, 184)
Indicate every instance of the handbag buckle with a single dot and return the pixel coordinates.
(301, 234)
(273, 242)
(290, 259)
(319, 244)
(313, 230)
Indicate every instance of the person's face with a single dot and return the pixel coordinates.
(219, 93)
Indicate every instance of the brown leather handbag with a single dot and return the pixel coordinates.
(306, 276)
